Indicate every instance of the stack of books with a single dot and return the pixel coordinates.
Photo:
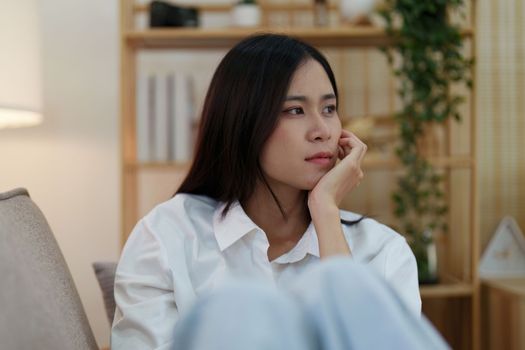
(165, 117)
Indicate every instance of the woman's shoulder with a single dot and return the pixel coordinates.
(183, 206)
(179, 216)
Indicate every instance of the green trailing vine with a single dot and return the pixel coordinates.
(431, 61)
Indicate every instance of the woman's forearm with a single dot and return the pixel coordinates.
(327, 224)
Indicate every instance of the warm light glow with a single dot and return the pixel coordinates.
(20, 64)
(15, 118)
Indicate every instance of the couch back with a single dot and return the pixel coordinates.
(39, 305)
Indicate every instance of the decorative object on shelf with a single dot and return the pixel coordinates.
(431, 61)
(20, 91)
(246, 13)
(504, 256)
(320, 13)
(163, 14)
(357, 12)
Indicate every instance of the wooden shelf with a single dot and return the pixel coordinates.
(227, 37)
(459, 289)
(206, 38)
(372, 163)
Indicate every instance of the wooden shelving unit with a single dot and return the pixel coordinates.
(462, 290)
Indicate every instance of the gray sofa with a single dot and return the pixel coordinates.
(40, 306)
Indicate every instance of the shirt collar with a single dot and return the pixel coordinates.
(233, 226)
(236, 224)
(308, 244)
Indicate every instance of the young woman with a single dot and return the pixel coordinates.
(261, 200)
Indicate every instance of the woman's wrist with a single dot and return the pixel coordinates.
(324, 211)
(321, 205)
(327, 223)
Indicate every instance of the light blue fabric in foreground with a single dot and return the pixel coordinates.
(335, 305)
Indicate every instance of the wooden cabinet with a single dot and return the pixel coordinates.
(453, 304)
(503, 314)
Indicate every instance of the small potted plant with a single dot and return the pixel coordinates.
(246, 13)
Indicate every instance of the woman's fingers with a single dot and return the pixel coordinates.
(361, 147)
(355, 151)
(345, 142)
(352, 146)
(345, 145)
(340, 152)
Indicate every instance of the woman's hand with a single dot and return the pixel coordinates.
(324, 198)
(343, 177)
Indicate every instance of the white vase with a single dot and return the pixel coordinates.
(353, 11)
(246, 15)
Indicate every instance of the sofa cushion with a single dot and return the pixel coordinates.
(105, 272)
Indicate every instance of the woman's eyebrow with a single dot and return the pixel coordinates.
(304, 98)
(327, 97)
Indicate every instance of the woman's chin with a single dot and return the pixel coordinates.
(312, 182)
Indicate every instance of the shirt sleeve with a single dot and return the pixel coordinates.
(401, 273)
(146, 312)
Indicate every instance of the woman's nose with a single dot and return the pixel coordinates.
(319, 129)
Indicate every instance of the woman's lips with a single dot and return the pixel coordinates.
(321, 158)
(320, 161)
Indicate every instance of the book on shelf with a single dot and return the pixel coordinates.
(143, 112)
(160, 115)
(183, 121)
(170, 130)
(165, 117)
(150, 117)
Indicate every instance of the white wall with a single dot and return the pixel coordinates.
(70, 163)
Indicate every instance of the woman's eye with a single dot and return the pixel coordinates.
(329, 109)
(295, 111)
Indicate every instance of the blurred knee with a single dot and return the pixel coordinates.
(250, 315)
(339, 271)
(337, 278)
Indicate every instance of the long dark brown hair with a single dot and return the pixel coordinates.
(240, 112)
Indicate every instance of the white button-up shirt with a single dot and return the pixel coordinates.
(184, 248)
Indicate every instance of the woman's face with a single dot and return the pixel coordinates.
(304, 145)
